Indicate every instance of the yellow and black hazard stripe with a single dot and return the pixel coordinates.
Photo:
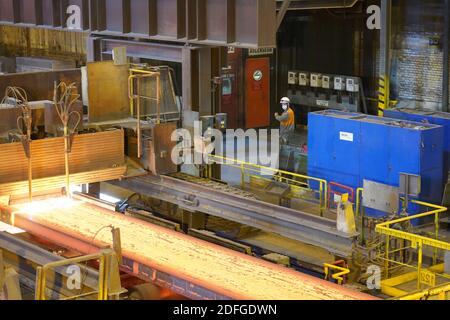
(383, 95)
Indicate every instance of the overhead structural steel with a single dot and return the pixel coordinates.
(241, 23)
(317, 4)
(199, 64)
(282, 12)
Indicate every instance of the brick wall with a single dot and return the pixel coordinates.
(417, 64)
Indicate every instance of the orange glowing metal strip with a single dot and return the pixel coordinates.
(210, 266)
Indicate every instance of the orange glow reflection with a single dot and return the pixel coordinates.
(60, 204)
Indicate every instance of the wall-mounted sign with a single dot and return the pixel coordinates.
(260, 52)
(323, 103)
(346, 136)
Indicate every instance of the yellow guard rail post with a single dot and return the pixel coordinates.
(417, 241)
(108, 282)
(440, 291)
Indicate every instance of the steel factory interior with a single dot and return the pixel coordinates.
(224, 150)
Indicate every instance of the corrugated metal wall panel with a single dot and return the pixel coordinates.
(90, 152)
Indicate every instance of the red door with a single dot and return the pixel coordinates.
(257, 79)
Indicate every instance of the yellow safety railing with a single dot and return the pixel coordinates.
(296, 182)
(417, 241)
(339, 271)
(108, 282)
(135, 97)
(441, 292)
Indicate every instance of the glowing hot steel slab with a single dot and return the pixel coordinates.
(217, 269)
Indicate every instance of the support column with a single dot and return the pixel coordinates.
(94, 50)
(205, 85)
(385, 56)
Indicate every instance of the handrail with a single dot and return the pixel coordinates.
(342, 271)
(323, 184)
(440, 291)
(331, 184)
(137, 74)
(385, 229)
(106, 274)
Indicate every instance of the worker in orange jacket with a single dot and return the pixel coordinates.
(287, 120)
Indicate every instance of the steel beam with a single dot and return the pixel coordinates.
(290, 223)
(24, 257)
(187, 78)
(284, 8)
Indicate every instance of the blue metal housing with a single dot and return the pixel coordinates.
(347, 148)
(433, 117)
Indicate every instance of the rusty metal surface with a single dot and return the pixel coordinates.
(160, 148)
(44, 115)
(108, 92)
(8, 118)
(168, 108)
(199, 263)
(53, 123)
(255, 26)
(90, 152)
(153, 51)
(39, 85)
(246, 23)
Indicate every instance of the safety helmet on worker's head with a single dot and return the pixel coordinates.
(285, 100)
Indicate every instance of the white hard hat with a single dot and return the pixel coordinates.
(285, 100)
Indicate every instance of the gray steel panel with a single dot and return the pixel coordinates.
(381, 197)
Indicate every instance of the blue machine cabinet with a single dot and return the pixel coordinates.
(426, 116)
(347, 148)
